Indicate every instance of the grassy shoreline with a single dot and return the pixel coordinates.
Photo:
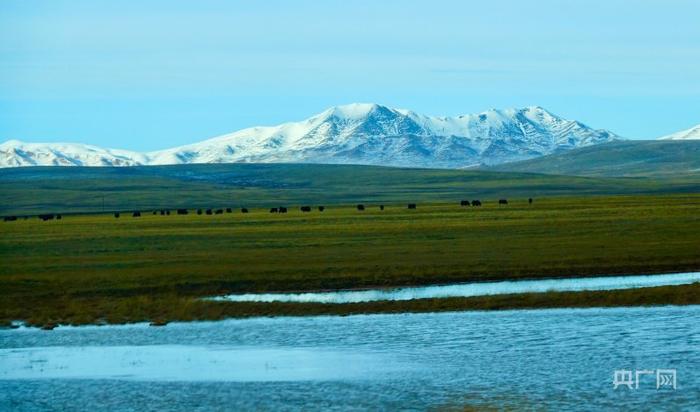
(162, 310)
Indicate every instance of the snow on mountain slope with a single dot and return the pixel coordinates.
(689, 134)
(15, 153)
(356, 133)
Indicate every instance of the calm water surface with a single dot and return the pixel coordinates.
(473, 289)
(560, 359)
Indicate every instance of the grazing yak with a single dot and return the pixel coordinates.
(321, 208)
(502, 201)
(283, 209)
(9, 218)
(199, 211)
(46, 217)
(411, 205)
(219, 211)
(360, 207)
(529, 201)
(274, 210)
(182, 211)
(209, 212)
(305, 208)
(162, 212)
(244, 210)
(116, 215)
(136, 214)
(381, 207)
(464, 203)
(476, 202)
(58, 217)
(229, 210)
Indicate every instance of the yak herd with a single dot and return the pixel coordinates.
(279, 209)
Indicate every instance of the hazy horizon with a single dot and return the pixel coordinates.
(149, 76)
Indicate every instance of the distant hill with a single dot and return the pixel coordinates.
(28, 190)
(621, 158)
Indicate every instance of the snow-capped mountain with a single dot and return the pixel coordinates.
(355, 133)
(689, 134)
(16, 153)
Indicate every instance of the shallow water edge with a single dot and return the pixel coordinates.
(471, 289)
(660, 296)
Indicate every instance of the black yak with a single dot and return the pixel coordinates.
(208, 211)
(229, 210)
(162, 212)
(283, 209)
(58, 217)
(182, 211)
(502, 201)
(116, 215)
(167, 212)
(476, 202)
(219, 211)
(381, 207)
(136, 214)
(46, 217)
(274, 210)
(529, 200)
(360, 207)
(9, 218)
(464, 203)
(244, 210)
(305, 208)
(199, 211)
(411, 205)
(321, 208)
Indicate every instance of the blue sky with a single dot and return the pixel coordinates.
(147, 75)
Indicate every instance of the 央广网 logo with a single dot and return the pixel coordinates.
(665, 378)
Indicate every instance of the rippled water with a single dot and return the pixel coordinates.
(472, 289)
(536, 359)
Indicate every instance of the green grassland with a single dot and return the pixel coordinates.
(92, 189)
(90, 268)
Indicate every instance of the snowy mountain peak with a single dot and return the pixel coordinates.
(360, 133)
(353, 111)
(689, 134)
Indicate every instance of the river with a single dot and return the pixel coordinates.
(555, 359)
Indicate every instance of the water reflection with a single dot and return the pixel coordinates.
(188, 363)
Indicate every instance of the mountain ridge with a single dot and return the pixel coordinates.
(688, 134)
(358, 133)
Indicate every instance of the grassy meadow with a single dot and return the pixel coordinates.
(93, 268)
(33, 190)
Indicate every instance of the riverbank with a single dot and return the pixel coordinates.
(161, 310)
